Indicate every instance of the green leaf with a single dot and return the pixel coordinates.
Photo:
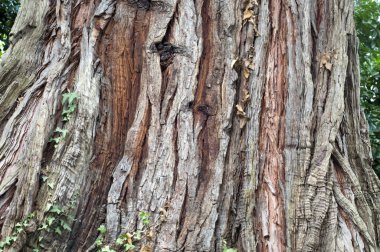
(49, 206)
(69, 97)
(65, 226)
(19, 229)
(144, 217)
(55, 209)
(63, 132)
(50, 220)
(227, 249)
(9, 240)
(128, 247)
(43, 226)
(107, 249)
(137, 235)
(50, 184)
(119, 241)
(54, 139)
(58, 230)
(102, 229)
(99, 241)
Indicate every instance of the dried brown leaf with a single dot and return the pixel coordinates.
(150, 235)
(246, 73)
(240, 109)
(247, 14)
(328, 66)
(242, 122)
(325, 58)
(251, 66)
(246, 96)
(145, 248)
(129, 238)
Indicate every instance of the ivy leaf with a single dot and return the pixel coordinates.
(48, 206)
(50, 220)
(99, 241)
(9, 240)
(107, 249)
(119, 241)
(56, 210)
(63, 132)
(102, 229)
(58, 230)
(137, 235)
(54, 139)
(43, 227)
(144, 217)
(69, 97)
(50, 184)
(65, 226)
(128, 247)
(227, 249)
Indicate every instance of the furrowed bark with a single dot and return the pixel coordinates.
(226, 120)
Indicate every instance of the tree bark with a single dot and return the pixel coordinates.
(226, 120)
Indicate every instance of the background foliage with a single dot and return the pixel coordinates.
(367, 17)
(8, 12)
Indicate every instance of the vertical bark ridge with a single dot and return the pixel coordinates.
(318, 198)
(270, 196)
(246, 220)
(23, 168)
(120, 58)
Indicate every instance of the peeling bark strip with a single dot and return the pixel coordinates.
(239, 120)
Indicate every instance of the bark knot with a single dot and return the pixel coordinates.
(158, 6)
(167, 51)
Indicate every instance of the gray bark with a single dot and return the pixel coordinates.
(226, 120)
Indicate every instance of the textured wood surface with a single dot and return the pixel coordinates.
(241, 119)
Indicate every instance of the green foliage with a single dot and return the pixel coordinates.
(226, 248)
(69, 105)
(8, 12)
(2, 48)
(128, 241)
(18, 228)
(102, 229)
(367, 18)
(106, 249)
(56, 222)
(144, 217)
(102, 232)
(60, 136)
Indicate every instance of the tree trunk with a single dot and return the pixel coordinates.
(225, 120)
